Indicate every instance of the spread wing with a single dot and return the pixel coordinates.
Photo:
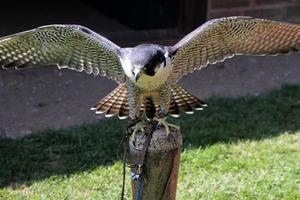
(68, 46)
(223, 38)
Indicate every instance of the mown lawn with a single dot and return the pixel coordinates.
(244, 148)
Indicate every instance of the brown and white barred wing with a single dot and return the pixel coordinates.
(225, 37)
(68, 46)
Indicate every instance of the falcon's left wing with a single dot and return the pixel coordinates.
(68, 46)
(223, 38)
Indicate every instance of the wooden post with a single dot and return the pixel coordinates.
(160, 166)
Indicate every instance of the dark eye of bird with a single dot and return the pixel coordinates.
(149, 69)
(146, 67)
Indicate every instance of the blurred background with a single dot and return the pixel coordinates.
(32, 100)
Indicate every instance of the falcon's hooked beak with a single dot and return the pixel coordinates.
(137, 77)
(137, 74)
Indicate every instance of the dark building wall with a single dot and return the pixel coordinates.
(287, 10)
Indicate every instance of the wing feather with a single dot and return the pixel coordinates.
(223, 38)
(68, 46)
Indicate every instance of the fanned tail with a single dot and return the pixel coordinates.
(116, 103)
(183, 101)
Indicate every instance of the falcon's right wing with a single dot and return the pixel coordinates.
(68, 46)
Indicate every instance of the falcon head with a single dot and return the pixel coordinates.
(148, 59)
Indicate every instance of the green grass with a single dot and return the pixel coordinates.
(244, 148)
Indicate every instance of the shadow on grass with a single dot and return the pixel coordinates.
(85, 147)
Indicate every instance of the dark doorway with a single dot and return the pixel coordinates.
(155, 14)
(141, 15)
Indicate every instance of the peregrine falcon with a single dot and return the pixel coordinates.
(147, 74)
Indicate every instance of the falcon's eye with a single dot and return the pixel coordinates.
(146, 67)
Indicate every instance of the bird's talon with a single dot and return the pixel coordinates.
(139, 126)
(165, 124)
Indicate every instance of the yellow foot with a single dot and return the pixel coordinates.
(163, 122)
(136, 128)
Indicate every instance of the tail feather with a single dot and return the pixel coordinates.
(101, 106)
(183, 101)
(116, 103)
(174, 110)
(106, 105)
(124, 110)
(115, 106)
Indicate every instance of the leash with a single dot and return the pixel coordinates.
(125, 142)
(138, 168)
(137, 174)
